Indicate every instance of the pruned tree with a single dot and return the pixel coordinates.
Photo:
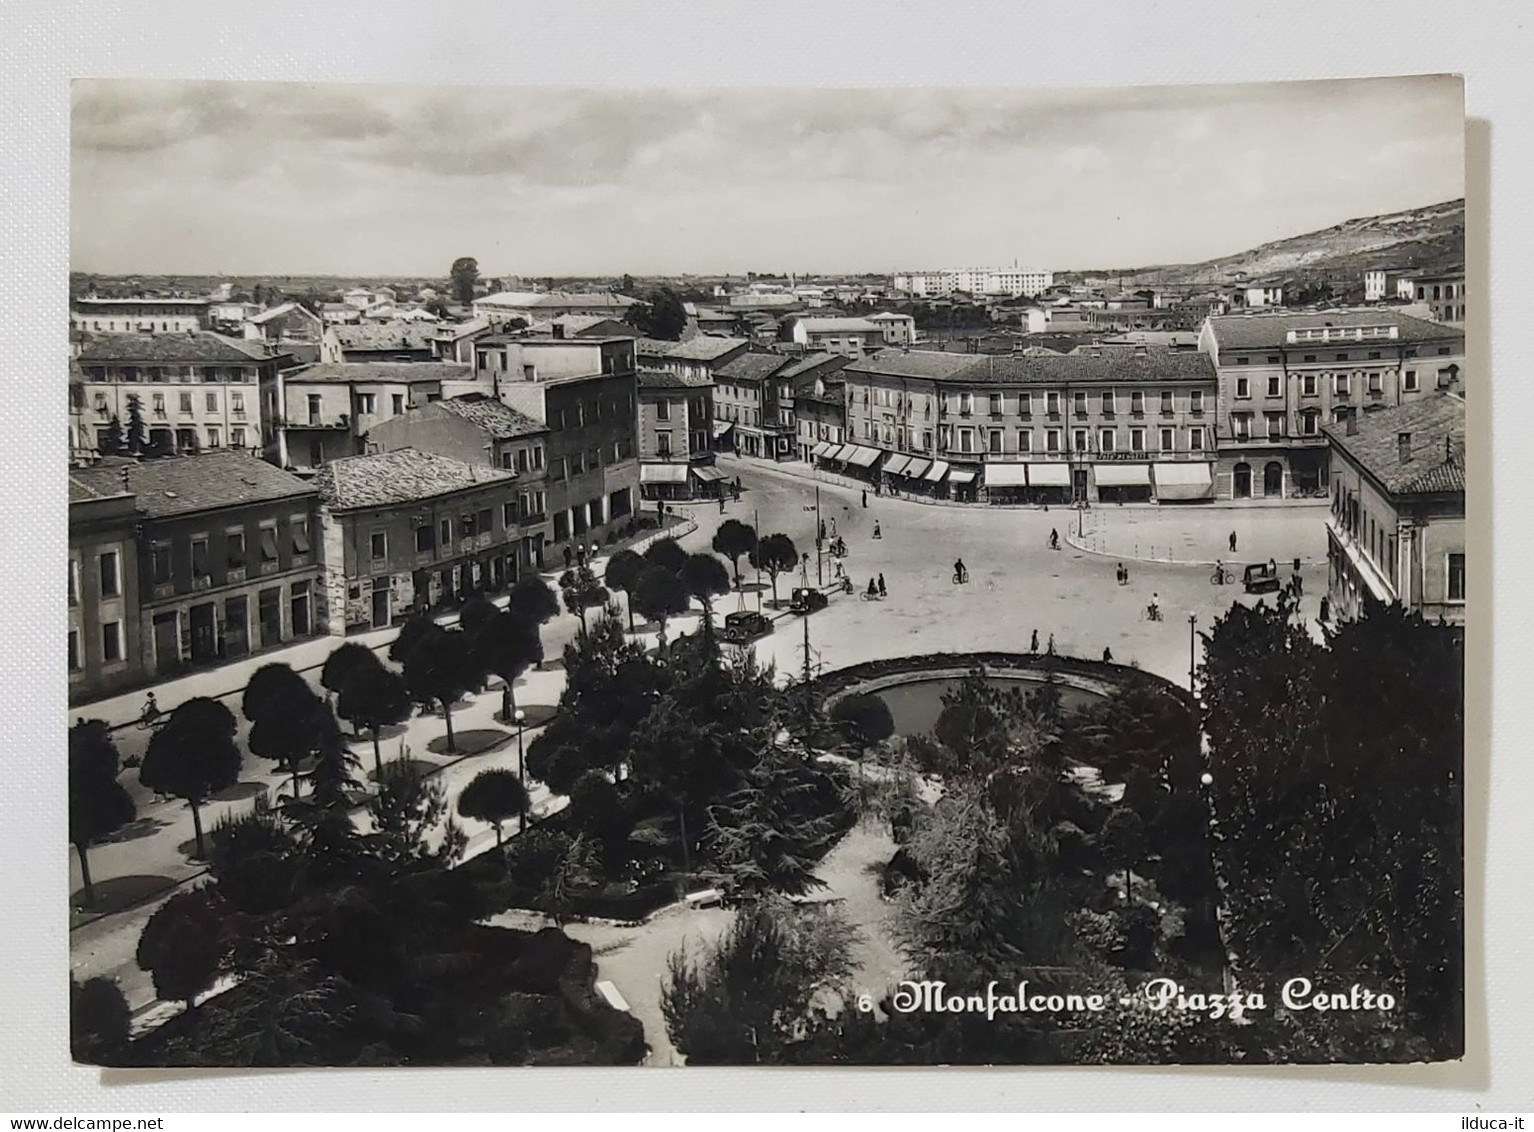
(99, 1020)
(623, 571)
(776, 554)
(733, 540)
(440, 668)
(185, 945)
(705, 578)
(533, 600)
(494, 796)
(585, 591)
(272, 689)
(476, 612)
(98, 803)
(667, 554)
(193, 756)
(293, 727)
(342, 662)
(507, 646)
(372, 698)
(660, 595)
(411, 631)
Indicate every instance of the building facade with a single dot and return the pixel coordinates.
(1443, 293)
(227, 563)
(585, 391)
(1396, 531)
(408, 531)
(899, 329)
(1129, 425)
(134, 316)
(748, 413)
(105, 652)
(195, 391)
(853, 337)
(1284, 377)
(676, 420)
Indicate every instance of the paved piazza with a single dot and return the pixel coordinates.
(1017, 584)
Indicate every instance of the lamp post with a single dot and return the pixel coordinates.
(520, 717)
(1192, 648)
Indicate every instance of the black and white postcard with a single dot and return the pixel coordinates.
(800, 577)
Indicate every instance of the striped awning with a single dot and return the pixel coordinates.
(961, 475)
(709, 475)
(824, 448)
(896, 465)
(860, 456)
(1049, 475)
(839, 453)
(916, 468)
(938, 470)
(662, 473)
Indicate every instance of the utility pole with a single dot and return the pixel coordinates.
(820, 577)
(756, 529)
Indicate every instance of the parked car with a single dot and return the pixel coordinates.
(806, 600)
(1261, 578)
(745, 626)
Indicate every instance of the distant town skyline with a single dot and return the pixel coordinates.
(297, 179)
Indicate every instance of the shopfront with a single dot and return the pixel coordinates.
(1183, 482)
(1006, 484)
(1123, 482)
(1049, 483)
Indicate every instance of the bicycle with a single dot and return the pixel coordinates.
(1222, 578)
(1152, 613)
(866, 596)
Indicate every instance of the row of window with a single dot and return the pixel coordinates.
(599, 409)
(1342, 383)
(583, 516)
(108, 575)
(165, 374)
(966, 440)
(528, 505)
(185, 404)
(185, 439)
(526, 459)
(113, 649)
(162, 554)
(567, 467)
(1023, 404)
(1373, 355)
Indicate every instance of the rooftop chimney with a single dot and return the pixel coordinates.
(1352, 429)
(1448, 450)
(1403, 446)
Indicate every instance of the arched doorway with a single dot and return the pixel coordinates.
(1273, 478)
(1243, 488)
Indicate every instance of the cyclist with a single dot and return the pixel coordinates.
(877, 533)
(1153, 611)
(1219, 572)
(873, 588)
(958, 571)
(151, 710)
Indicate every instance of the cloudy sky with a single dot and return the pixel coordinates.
(354, 180)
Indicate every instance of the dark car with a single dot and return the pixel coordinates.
(745, 626)
(1261, 577)
(805, 600)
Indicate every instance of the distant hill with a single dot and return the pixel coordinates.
(1421, 239)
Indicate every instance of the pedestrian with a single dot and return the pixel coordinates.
(882, 591)
(594, 549)
(865, 497)
(721, 505)
(1054, 539)
(1051, 649)
(1123, 575)
(877, 533)
(1299, 586)
(1326, 610)
(580, 554)
(1107, 656)
(1033, 645)
(821, 537)
(1233, 542)
(567, 556)
(833, 526)
(1273, 567)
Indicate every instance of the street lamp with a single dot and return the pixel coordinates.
(1192, 648)
(520, 717)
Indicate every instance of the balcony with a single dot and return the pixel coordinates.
(341, 422)
(163, 589)
(235, 574)
(202, 581)
(481, 542)
(270, 566)
(426, 557)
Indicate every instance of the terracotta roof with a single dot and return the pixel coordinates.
(402, 476)
(705, 348)
(84, 489)
(666, 379)
(386, 336)
(285, 308)
(1106, 366)
(1268, 331)
(401, 372)
(185, 349)
(533, 300)
(496, 418)
(176, 485)
(838, 325)
(751, 367)
(1437, 427)
(816, 364)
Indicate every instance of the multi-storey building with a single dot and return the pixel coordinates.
(533, 305)
(1283, 377)
(854, 337)
(748, 414)
(226, 557)
(105, 654)
(676, 421)
(1444, 294)
(696, 359)
(1126, 424)
(407, 531)
(131, 316)
(195, 390)
(1381, 283)
(584, 390)
(975, 281)
(477, 429)
(1396, 530)
(387, 342)
(810, 396)
(899, 329)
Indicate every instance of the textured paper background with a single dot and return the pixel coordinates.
(653, 43)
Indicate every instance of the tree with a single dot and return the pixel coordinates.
(99, 1020)
(866, 716)
(476, 612)
(138, 433)
(185, 945)
(439, 669)
(114, 443)
(583, 592)
(748, 997)
(494, 796)
(193, 756)
(255, 861)
(659, 595)
(666, 554)
(626, 284)
(292, 727)
(463, 276)
(597, 810)
(342, 662)
(272, 689)
(409, 633)
(734, 539)
(407, 808)
(533, 600)
(98, 803)
(623, 571)
(705, 578)
(507, 646)
(777, 555)
(663, 315)
(371, 699)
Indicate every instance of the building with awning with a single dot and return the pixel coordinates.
(837, 453)
(1183, 481)
(1006, 475)
(1125, 482)
(860, 456)
(917, 468)
(662, 473)
(823, 450)
(1049, 475)
(896, 465)
(961, 476)
(707, 474)
(938, 470)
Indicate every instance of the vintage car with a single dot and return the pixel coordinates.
(806, 600)
(745, 626)
(1261, 578)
